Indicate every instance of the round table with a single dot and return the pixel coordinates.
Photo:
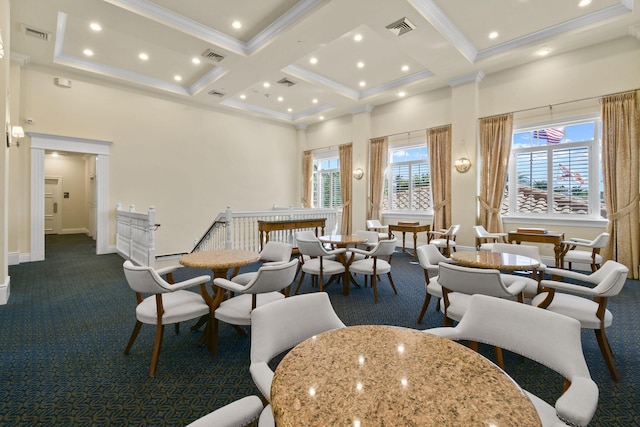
(342, 241)
(496, 260)
(385, 375)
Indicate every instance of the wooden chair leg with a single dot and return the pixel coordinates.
(134, 335)
(425, 304)
(393, 286)
(176, 327)
(156, 349)
(499, 358)
(299, 283)
(374, 285)
(605, 349)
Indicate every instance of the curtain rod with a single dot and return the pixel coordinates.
(550, 106)
(401, 133)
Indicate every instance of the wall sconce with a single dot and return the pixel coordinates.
(17, 132)
(1, 47)
(463, 164)
(358, 173)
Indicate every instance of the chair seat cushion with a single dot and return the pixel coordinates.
(581, 257)
(329, 267)
(581, 309)
(178, 307)
(458, 304)
(244, 278)
(546, 412)
(531, 286)
(486, 247)
(442, 243)
(365, 266)
(434, 288)
(237, 310)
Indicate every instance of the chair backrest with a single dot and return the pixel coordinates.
(312, 248)
(374, 224)
(276, 252)
(543, 336)
(524, 250)
(371, 236)
(384, 248)
(306, 235)
(453, 230)
(144, 279)
(610, 278)
(272, 277)
(429, 256)
(471, 281)
(601, 241)
(283, 324)
(480, 231)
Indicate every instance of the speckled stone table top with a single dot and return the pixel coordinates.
(221, 259)
(499, 261)
(364, 376)
(342, 240)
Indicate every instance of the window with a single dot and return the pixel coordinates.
(326, 182)
(554, 171)
(407, 182)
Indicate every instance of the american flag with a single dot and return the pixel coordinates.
(552, 135)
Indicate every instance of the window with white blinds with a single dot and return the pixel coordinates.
(407, 180)
(554, 171)
(326, 182)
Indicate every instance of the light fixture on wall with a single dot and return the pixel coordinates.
(462, 164)
(1, 47)
(17, 132)
(358, 173)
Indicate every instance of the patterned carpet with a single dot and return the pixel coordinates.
(69, 318)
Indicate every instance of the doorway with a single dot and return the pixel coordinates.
(52, 196)
(41, 142)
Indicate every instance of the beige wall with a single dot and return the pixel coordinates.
(190, 163)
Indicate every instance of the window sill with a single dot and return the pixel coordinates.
(573, 222)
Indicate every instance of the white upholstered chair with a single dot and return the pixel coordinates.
(530, 251)
(486, 240)
(587, 304)
(272, 252)
(165, 303)
(589, 256)
(376, 261)
(376, 225)
(429, 258)
(459, 283)
(266, 286)
(317, 260)
(445, 240)
(240, 413)
(546, 338)
(282, 325)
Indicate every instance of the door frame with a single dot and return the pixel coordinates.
(41, 142)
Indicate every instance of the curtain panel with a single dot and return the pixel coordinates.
(495, 148)
(346, 181)
(439, 145)
(307, 179)
(620, 140)
(378, 153)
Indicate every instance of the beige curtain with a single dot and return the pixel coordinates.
(307, 179)
(346, 179)
(620, 175)
(439, 144)
(495, 147)
(377, 166)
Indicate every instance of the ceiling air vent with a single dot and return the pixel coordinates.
(216, 93)
(401, 26)
(285, 81)
(34, 32)
(212, 56)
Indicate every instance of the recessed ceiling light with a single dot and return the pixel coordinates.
(544, 51)
(321, 117)
(402, 94)
(280, 99)
(289, 109)
(360, 64)
(88, 52)
(243, 96)
(357, 37)
(493, 35)
(143, 56)
(405, 68)
(314, 100)
(313, 60)
(177, 78)
(196, 60)
(237, 25)
(95, 26)
(584, 3)
(266, 84)
(362, 83)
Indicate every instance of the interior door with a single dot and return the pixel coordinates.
(52, 211)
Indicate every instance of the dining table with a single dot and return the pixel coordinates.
(375, 375)
(344, 241)
(496, 260)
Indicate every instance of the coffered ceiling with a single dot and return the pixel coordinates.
(298, 61)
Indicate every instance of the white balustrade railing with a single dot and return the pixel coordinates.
(135, 235)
